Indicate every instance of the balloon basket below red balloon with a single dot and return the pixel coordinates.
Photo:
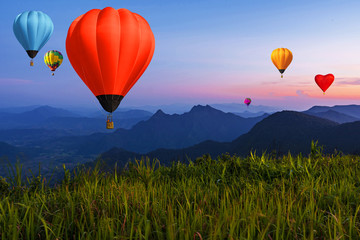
(109, 125)
(109, 122)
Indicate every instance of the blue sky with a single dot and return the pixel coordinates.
(205, 52)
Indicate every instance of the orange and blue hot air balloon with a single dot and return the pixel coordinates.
(33, 29)
(53, 59)
(247, 101)
(110, 49)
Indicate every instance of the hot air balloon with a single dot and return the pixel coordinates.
(53, 59)
(33, 29)
(281, 57)
(110, 50)
(324, 81)
(247, 101)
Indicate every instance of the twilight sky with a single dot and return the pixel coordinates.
(206, 51)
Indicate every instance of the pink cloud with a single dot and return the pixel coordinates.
(301, 93)
(347, 81)
(270, 83)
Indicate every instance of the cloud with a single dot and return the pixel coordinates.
(270, 83)
(301, 93)
(347, 81)
(14, 81)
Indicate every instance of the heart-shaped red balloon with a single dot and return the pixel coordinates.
(324, 81)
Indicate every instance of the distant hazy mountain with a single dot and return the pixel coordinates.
(350, 110)
(176, 108)
(46, 117)
(247, 114)
(34, 117)
(225, 107)
(128, 114)
(241, 107)
(18, 109)
(164, 131)
(334, 116)
(47, 112)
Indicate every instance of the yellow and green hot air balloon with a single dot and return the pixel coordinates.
(281, 57)
(53, 59)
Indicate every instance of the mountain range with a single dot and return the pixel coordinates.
(280, 133)
(41, 123)
(339, 114)
(54, 136)
(162, 131)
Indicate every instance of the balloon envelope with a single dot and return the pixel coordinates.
(324, 81)
(33, 29)
(281, 58)
(53, 59)
(110, 50)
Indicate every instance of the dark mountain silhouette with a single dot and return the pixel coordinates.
(21, 137)
(164, 131)
(9, 151)
(280, 133)
(30, 159)
(178, 131)
(10, 154)
(203, 130)
(344, 137)
(166, 156)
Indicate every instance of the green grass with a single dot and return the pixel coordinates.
(258, 197)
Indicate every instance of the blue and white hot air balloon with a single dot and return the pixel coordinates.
(33, 29)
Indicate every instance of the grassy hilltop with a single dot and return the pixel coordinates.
(258, 197)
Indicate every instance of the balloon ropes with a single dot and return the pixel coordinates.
(33, 29)
(110, 49)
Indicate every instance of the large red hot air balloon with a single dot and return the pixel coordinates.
(324, 81)
(110, 50)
